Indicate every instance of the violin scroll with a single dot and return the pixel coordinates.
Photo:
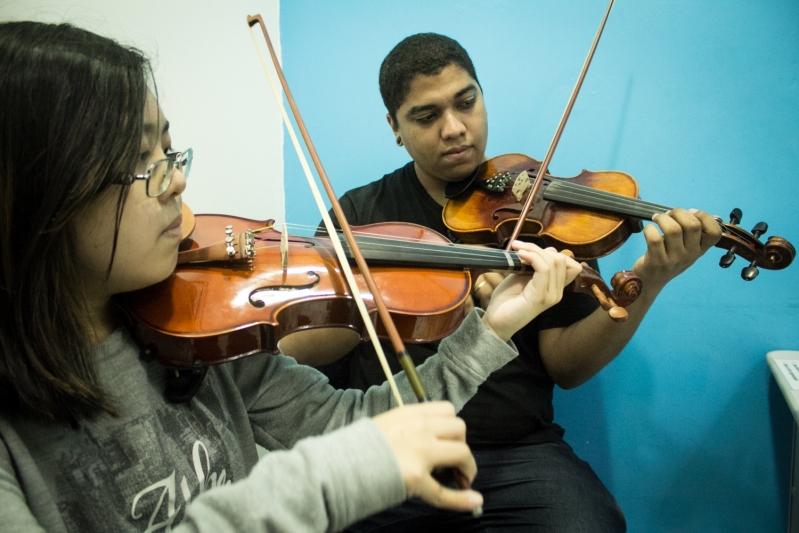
(626, 288)
(776, 254)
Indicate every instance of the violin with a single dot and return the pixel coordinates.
(591, 214)
(240, 286)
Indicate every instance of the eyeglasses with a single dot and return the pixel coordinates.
(159, 174)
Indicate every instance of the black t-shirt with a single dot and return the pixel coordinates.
(514, 406)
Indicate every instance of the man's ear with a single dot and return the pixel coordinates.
(394, 127)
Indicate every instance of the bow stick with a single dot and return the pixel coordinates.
(405, 361)
(539, 179)
(402, 353)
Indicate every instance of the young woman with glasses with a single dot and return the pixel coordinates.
(90, 207)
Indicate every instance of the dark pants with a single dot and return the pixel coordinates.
(533, 488)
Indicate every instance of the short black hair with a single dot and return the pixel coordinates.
(424, 54)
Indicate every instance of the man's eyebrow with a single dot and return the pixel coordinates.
(429, 107)
(469, 88)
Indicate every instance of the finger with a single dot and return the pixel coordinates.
(711, 229)
(559, 271)
(468, 305)
(522, 245)
(437, 495)
(691, 228)
(486, 285)
(454, 466)
(482, 287)
(454, 454)
(437, 408)
(494, 278)
(450, 428)
(573, 269)
(655, 242)
(672, 233)
(541, 265)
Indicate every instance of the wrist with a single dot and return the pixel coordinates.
(490, 328)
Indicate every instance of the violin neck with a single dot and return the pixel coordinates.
(390, 252)
(572, 193)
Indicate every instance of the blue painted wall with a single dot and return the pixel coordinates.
(699, 101)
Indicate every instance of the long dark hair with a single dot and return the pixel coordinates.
(71, 108)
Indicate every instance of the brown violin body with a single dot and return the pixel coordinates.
(220, 305)
(216, 311)
(487, 216)
(591, 214)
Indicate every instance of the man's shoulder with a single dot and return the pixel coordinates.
(381, 200)
(388, 184)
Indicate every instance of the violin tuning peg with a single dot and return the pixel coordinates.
(727, 259)
(749, 273)
(735, 216)
(759, 229)
(618, 314)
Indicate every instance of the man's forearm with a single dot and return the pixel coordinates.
(574, 354)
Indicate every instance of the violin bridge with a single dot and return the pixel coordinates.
(520, 185)
(284, 248)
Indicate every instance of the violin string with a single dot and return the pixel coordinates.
(446, 254)
(452, 254)
(392, 241)
(589, 197)
(410, 244)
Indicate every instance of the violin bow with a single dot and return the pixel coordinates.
(539, 179)
(445, 475)
(402, 354)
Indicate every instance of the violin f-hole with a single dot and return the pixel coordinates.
(256, 300)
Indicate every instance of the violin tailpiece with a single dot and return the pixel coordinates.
(239, 247)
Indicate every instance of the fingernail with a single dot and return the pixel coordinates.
(693, 211)
(475, 499)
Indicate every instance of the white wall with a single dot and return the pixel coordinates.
(211, 87)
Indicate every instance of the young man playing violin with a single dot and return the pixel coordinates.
(530, 478)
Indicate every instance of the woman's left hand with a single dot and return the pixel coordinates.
(521, 297)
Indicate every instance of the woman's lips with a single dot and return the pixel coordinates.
(174, 229)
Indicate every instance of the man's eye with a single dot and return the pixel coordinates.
(468, 104)
(426, 119)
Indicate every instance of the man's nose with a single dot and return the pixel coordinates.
(453, 126)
